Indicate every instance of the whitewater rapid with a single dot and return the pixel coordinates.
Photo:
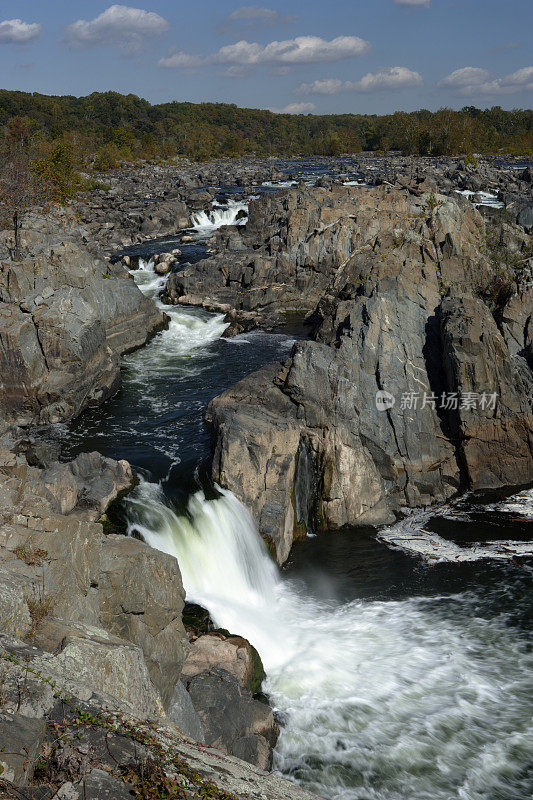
(398, 700)
(188, 329)
(233, 212)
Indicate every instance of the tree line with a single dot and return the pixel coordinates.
(104, 129)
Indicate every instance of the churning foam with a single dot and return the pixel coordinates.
(233, 212)
(188, 329)
(401, 700)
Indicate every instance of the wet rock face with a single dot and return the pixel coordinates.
(307, 444)
(65, 318)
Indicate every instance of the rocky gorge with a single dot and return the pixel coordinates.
(405, 290)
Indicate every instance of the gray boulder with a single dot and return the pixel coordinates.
(141, 599)
(182, 713)
(20, 741)
(229, 715)
(525, 218)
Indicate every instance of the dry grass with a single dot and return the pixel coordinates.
(39, 608)
(32, 556)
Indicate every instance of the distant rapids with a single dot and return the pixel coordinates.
(232, 212)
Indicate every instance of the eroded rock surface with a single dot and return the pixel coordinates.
(299, 242)
(107, 607)
(66, 316)
(305, 444)
(72, 742)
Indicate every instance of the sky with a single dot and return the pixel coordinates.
(318, 56)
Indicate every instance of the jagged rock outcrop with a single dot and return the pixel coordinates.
(223, 675)
(68, 740)
(232, 720)
(105, 611)
(144, 202)
(297, 243)
(141, 598)
(314, 442)
(496, 443)
(108, 607)
(65, 318)
(516, 315)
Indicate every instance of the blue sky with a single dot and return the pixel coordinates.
(362, 56)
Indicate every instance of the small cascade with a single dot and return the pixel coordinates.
(481, 198)
(231, 213)
(146, 278)
(188, 329)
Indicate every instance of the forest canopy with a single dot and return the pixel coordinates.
(106, 128)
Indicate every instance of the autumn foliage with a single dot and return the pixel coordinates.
(107, 128)
(33, 173)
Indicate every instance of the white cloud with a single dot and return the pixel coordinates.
(301, 50)
(324, 86)
(477, 81)
(121, 26)
(249, 17)
(391, 78)
(15, 31)
(181, 60)
(467, 76)
(520, 78)
(295, 108)
(413, 3)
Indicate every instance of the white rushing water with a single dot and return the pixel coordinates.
(419, 699)
(173, 354)
(481, 198)
(410, 534)
(234, 212)
(356, 183)
(188, 329)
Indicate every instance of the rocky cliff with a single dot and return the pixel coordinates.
(409, 393)
(98, 694)
(66, 316)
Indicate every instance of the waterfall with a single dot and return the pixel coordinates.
(231, 213)
(384, 700)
